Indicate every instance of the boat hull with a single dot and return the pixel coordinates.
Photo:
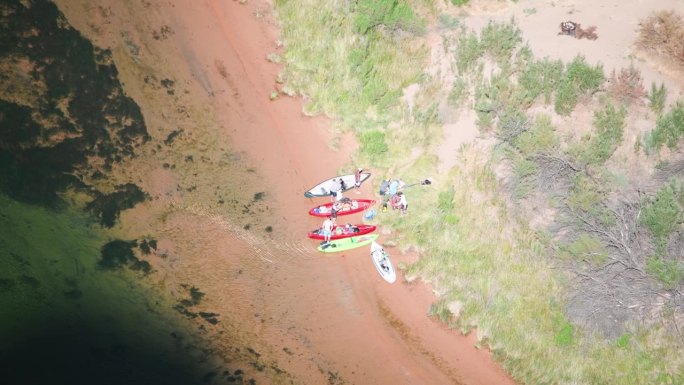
(343, 231)
(323, 189)
(356, 206)
(382, 262)
(347, 243)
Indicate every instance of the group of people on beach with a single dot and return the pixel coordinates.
(389, 190)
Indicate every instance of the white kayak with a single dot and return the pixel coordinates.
(382, 262)
(323, 189)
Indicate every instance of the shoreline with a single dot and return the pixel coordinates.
(274, 294)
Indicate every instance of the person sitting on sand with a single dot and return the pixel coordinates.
(335, 188)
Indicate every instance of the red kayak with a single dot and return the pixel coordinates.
(346, 206)
(343, 231)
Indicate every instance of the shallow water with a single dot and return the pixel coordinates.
(66, 315)
(65, 320)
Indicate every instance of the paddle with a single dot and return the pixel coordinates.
(326, 244)
(422, 183)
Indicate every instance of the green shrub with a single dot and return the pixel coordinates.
(458, 3)
(566, 97)
(662, 215)
(541, 137)
(373, 143)
(441, 311)
(448, 21)
(585, 248)
(622, 341)
(467, 51)
(585, 194)
(669, 129)
(564, 337)
(669, 272)
(540, 78)
(445, 200)
(657, 98)
(499, 40)
(609, 124)
(493, 97)
(512, 123)
(357, 79)
(524, 177)
(584, 76)
(392, 14)
(579, 78)
(458, 93)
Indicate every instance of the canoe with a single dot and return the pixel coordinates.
(323, 189)
(353, 206)
(343, 231)
(382, 262)
(347, 243)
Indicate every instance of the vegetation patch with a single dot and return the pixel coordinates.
(119, 253)
(669, 129)
(578, 79)
(107, 207)
(46, 145)
(662, 34)
(555, 278)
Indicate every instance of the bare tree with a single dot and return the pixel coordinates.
(619, 291)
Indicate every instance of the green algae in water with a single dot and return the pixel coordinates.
(119, 253)
(108, 206)
(65, 320)
(79, 109)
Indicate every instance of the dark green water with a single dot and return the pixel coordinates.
(65, 320)
(66, 315)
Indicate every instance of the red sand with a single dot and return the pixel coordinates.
(371, 332)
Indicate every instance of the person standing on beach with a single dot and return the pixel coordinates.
(393, 188)
(357, 179)
(384, 191)
(327, 229)
(334, 189)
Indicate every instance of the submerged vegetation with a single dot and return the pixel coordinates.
(549, 245)
(54, 80)
(70, 313)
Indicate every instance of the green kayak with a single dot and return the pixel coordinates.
(347, 243)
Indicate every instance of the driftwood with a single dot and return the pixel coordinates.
(570, 28)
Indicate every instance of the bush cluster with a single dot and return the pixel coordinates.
(609, 124)
(669, 129)
(662, 33)
(579, 78)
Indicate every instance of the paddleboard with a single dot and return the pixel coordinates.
(382, 262)
(347, 243)
(323, 189)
